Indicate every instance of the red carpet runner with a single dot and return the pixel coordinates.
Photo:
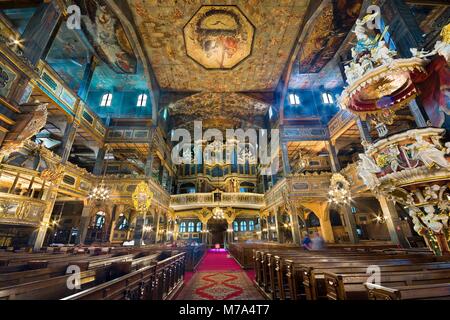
(219, 277)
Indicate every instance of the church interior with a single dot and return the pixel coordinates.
(224, 150)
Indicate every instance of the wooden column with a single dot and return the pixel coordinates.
(296, 237)
(84, 224)
(41, 31)
(393, 222)
(50, 197)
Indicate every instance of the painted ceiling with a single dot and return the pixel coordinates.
(162, 27)
(327, 33)
(218, 110)
(219, 37)
(69, 55)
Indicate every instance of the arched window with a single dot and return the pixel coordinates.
(142, 100)
(235, 226)
(99, 220)
(327, 98)
(243, 226)
(191, 227)
(199, 227)
(106, 100)
(251, 225)
(183, 227)
(294, 99)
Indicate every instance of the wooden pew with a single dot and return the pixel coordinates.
(277, 273)
(314, 281)
(158, 282)
(351, 286)
(421, 292)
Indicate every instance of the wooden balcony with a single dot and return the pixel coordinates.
(210, 200)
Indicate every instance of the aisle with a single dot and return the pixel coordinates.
(219, 277)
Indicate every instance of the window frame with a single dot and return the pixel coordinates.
(142, 100)
(106, 100)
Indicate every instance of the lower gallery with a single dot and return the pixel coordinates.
(224, 150)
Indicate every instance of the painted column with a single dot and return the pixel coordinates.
(68, 140)
(156, 226)
(393, 222)
(296, 237)
(327, 230)
(99, 162)
(277, 227)
(350, 223)
(50, 197)
(84, 224)
(230, 232)
(139, 229)
(41, 31)
(87, 78)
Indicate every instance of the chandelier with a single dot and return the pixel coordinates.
(100, 192)
(339, 190)
(218, 213)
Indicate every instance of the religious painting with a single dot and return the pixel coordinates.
(107, 36)
(219, 37)
(327, 33)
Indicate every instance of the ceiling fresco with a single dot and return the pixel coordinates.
(69, 55)
(327, 34)
(107, 36)
(219, 37)
(162, 27)
(218, 110)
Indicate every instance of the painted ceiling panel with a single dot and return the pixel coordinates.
(161, 25)
(218, 110)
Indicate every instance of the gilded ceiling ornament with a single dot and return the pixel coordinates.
(142, 197)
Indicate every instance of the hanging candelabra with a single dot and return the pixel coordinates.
(340, 192)
(101, 192)
(218, 213)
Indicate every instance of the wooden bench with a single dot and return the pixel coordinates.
(351, 286)
(156, 282)
(422, 292)
(314, 281)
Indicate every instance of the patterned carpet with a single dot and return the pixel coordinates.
(220, 285)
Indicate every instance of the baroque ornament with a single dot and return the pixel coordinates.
(340, 192)
(31, 128)
(142, 197)
(413, 170)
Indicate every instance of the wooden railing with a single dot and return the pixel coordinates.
(156, 282)
(201, 200)
(20, 210)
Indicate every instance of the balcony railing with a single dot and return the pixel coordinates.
(208, 200)
(20, 210)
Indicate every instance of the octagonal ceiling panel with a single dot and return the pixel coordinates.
(179, 67)
(219, 37)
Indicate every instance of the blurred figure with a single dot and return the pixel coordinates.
(306, 243)
(317, 243)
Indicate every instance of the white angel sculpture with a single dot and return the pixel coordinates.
(428, 153)
(367, 169)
